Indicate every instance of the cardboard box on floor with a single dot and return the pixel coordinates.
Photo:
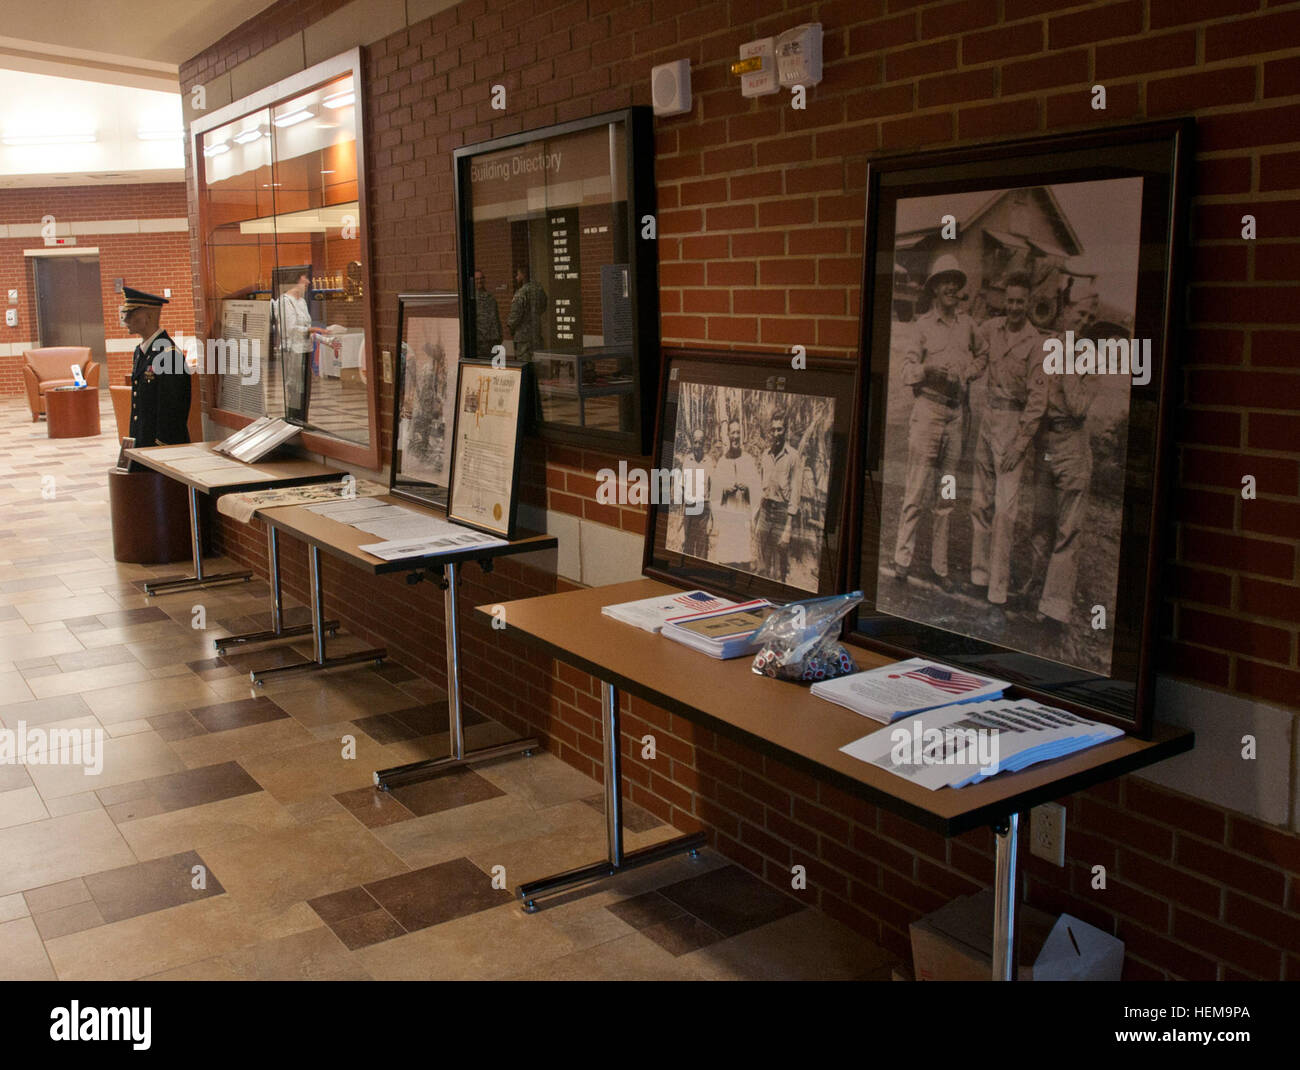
(955, 943)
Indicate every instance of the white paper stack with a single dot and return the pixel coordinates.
(649, 614)
(720, 633)
(963, 744)
(905, 687)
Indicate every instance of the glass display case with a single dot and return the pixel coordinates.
(285, 281)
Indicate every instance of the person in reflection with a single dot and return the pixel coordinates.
(487, 318)
(297, 337)
(526, 311)
(160, 384)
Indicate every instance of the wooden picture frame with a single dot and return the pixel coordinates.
(973, 408)
(428, 353)
(488, 437)
(735, 543)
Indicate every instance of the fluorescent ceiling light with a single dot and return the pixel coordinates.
(217, 149)
(49, 139)
(160, 135)
(340, 100)
(245, 136)
(298, 116)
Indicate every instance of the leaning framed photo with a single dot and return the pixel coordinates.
(424, 402)
(748, 495)
(483, 487)
(1019, 308)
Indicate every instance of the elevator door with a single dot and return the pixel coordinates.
(69, 308)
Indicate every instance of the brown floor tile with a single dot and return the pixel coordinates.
(385, 728)
(432, 717)
(70, 919)
(446, 792)
(373, 807)
(93, 658)
(178, 725)
(436, 894)
(635, 819)
(212, 669)
(146, 887)
(272, 658)
(77, 625)
(367, 929)
(238, 714)
(730, 900)
(348, 903)
(120, 793)
(681, 934)
(57, 896)
(122, 617)
(207, 783)
(642, 911)
(394, 672)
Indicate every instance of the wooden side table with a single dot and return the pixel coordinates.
(72, 412)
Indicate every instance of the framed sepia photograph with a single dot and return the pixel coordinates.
(483, 487)
(424, 400)
(748, 495)
(1018, 309)
(558, 269)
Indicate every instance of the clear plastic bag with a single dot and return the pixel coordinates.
(798, 641)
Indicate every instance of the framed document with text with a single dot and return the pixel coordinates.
(486, 443)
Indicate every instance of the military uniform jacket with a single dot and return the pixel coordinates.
(160, 394)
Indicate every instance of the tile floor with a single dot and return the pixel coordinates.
(231, 834)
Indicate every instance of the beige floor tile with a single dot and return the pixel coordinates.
(70, 683)
(38, 644)
(130, 634)
(479, 946)
(310, 810)
(145, 698)
(165, 939)
(542, 780)
(19, 807)
(44, 711)
(312, 955)
(13, 906)
(46, 852)
(70, 919)
(448, 834)
(238, 744)
(128, 728)
(22, 955)
(83, 605)
(315, 769)
(124, 760)
(175, 649)
(14, 688)
(72, 804)
(807, 946)
(198, 827)
(302, 862)
(342, 699)
(631, 958)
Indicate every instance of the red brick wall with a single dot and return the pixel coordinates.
(761, 214)
(147, 261)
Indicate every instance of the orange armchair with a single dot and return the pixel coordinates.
(52, 366)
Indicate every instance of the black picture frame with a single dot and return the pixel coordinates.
(820, 436)
(625, 369)
(505, 526)
(416, 436)
(1117, 522)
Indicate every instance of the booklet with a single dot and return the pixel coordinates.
(968, 742)
(906, 687)
(649, 614)
(720, 633)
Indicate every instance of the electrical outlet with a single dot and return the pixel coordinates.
(11, 317)
(1047, 833)
(387, 361)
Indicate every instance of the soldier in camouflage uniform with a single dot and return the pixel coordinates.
(487, 318)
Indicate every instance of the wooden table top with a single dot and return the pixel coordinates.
(784, 720)
(344, 541)
(260, 476)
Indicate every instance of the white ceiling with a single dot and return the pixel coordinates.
(110, 66)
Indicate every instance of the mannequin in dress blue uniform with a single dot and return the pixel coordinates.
(160, 385)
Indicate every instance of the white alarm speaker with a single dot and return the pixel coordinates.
(670, 87)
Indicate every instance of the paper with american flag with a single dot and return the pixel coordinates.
(949, 680)
(907, 687)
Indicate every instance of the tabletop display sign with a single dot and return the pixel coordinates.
(1017, 316)
(488, 435)
(428, 352)
(555, 230)
(748, 499)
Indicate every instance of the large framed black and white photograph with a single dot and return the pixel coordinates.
(1018, 309)
(748, 495)
(428, 352)
(558, 269)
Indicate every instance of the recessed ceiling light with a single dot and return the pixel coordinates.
(327, 172)
(298, 116)
(340, 100)
(245, 136)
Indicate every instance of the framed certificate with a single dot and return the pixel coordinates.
(485, 446)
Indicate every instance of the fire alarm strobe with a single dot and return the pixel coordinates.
(670, 87)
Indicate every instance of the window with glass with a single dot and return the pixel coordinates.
(282, 218)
